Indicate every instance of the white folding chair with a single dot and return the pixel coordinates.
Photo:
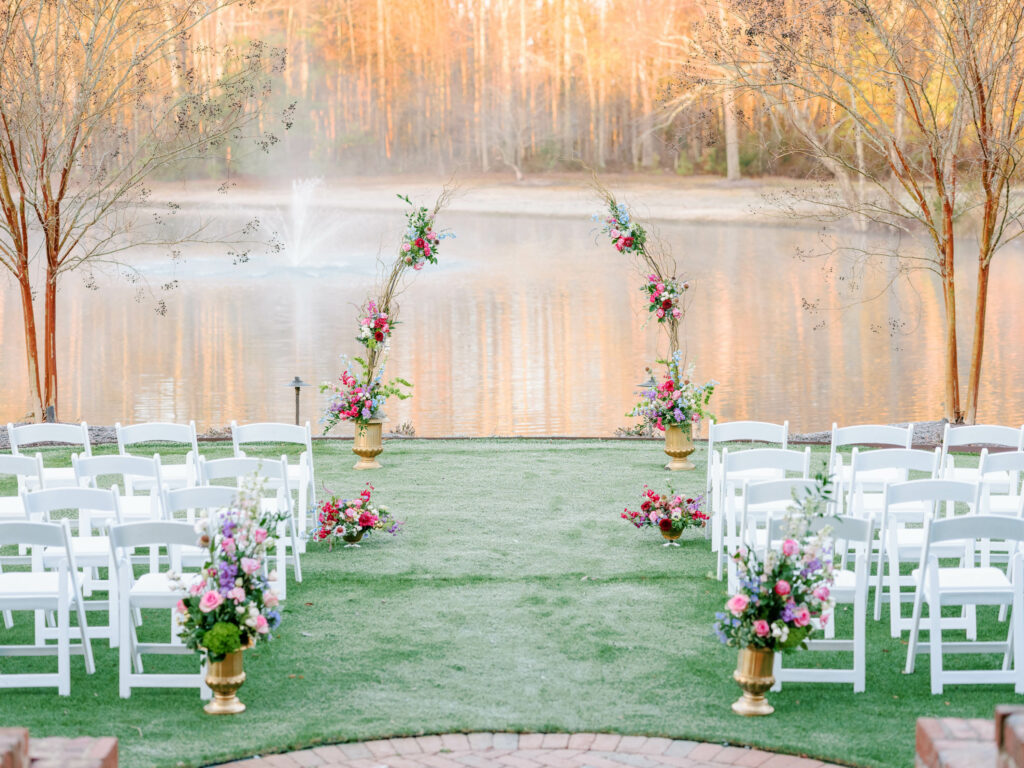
(988, 435)
(39, 590)
(64, 434)
(737, 468)
(182, 475)
(186, 501)
(90, 508)
(968, 585)
(906, 508)
(275, 473)
(864, 496)
(732, 432)
(1000, 475)
(765, 502)
(300, 475)
(135, 472)
(148, 591)
(848, 588)
(28, 473)
(864, 435)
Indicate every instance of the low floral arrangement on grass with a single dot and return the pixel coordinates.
(665, 297)
(781, 597)
(374, 327)
(626, 234)
(232, 606)
(421, 241)
(670, 512)
(677, 400)
(354, 400)
(348, 520)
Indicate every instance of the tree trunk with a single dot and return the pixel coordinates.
(952, 404)
(732, 141)
(31, 343)
(978, 343)
(50, 348)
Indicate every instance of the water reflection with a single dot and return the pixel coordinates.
(525, 328)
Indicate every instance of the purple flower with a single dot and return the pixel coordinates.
(678, 414)
(366, 413)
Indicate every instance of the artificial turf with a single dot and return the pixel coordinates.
(516, 599)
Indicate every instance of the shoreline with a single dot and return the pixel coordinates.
(927, 435)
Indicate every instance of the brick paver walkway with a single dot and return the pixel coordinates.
(529, 750)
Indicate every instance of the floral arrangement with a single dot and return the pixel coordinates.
(781, 597)
(352, 399)
(677, 400)
(665, 297)
(375, 327)
(232, 606)
(670, 512)
(344, 519)
(626, 235)
(421, 241)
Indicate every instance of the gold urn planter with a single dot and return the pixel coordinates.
(225, 678)
(678, 445)
(353, 539)
(754, 673)
(367, 444)
(670, 537)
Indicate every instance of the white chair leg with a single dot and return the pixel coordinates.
(205, 693)
(1017, 635)
(282, 566)
(935, 642)
(915, 629)
(878, 577)
(113, 612)
(296, 565)
(8, 620)
(63, 643)
(860, 610)
(777, 672)
(895, 604)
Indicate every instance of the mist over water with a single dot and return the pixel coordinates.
(525, 327)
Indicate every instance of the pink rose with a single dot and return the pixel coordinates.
(228, 545)
(261, 624)
(250, 565)
(801, 616)
(660, 313)
(660, 287)
(196, 588)
(259, 535)
(210, 600)
(614, 234)
(821, 593)
(270, 599)
(180, 607)
(782, 587)
(676, 313)
(790, 547)
(406, 247)
(237, 594)
(418, 266)
(761, 628)
(737, 604)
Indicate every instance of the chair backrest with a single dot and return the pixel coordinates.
(130, 535)
(91, 467)
(270, 432)
(781, 459)
(766, 491)
(975, 527)
(753, 431)
(1006, 461)
(34, 534)
(981, 434)
(856, 530)
(33, 434)
(208, 497)
(156, 432)
(870, 434)
(86, 501)
(22, 467)
(905, 459)
(239, 468)
(932, 491)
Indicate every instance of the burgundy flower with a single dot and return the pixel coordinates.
(665, 524)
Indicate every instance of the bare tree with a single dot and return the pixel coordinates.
(881, 94)
(95, 97)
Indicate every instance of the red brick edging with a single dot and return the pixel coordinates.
(528, 750)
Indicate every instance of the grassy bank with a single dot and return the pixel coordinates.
(515, 600)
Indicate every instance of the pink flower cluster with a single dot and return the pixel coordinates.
(668, 511)
(339, 518)
(374, 328)
(665, 297)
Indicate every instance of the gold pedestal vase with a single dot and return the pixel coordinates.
(352, 539)
(367, 444)
(670, 538)
(225, 678)
(754, 673)
(678, 445)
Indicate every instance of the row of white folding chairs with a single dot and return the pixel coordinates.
(915, 501)
(301, 476)
(53, 587)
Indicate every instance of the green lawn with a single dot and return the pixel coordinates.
(515, 600)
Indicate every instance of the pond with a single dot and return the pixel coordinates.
(527, 326)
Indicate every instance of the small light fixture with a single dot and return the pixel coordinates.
(298, 384)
